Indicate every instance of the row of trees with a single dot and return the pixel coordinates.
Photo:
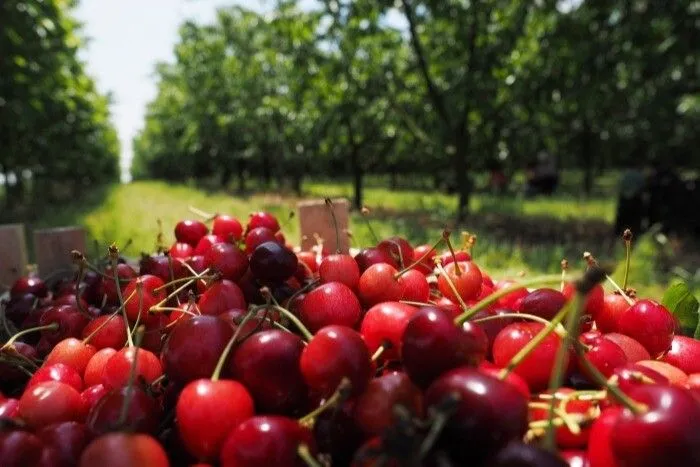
(452, 86)
(55, 133)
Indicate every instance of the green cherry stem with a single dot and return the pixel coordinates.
(229, 345)
(48, 327)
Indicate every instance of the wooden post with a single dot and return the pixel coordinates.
(315, 218)
(13, 254)
(52, 248)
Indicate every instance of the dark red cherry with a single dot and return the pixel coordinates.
(194, 347)
(190, 231)
(399, 249)
(512, 300)
(20, 448)
(29, 285)
(415, 286)
(228, 260)
(10, 373)
(386, 322)
(668, 428)
(466, 278)
(272, 441)
(142, 416)
(339, 268)
(68, 439)
(331, 303)
(9, 408)
(630, 376)
(487, 414)
(449, 307)
(432, 345)
(518, 454)
(633, 349)
(337, 434)
(227, 227)
(257, 237)
(108, 287)
(262, 219)
(651, 324)
(369, 256)
(181, 250)
(374, 407)
(614, 305)
(544, 303)
(334, 353)
(379, 283)
(594, 300)
(70, 323)
(124, 450)
(267, 364)
(147, 292)
(50, 402)
(684, 354)
(207, 411)
(221, 296)
(513, 379)
(18, 308)
(205, 244)
(272, 263)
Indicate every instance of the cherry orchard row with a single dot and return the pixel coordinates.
(229, 348)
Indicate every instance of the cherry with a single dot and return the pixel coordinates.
(205, 243)
(512, 300)
(272, 441)
(630, 376)
(370, 256)
(257, 237)
(675, 376)
(71, 352)
(487, 415)
(9, 373)
(106, 331)
(432, 344)
(466, 280)
(124, 450)
(142, 416)
(545, 303)
(593, 305)
(426, 265)
(20, 449)
(614, 305)
(228, 260)
(193, 348)
(564, 437)
(91, 396)
(267, 364)
(651, 324)
(449, 307)
(386, 322)
(331, 303)
(272, 263)
(379, 283)
(190, 231)
(70, 323)
(67, 439)
(108, 287)
(50, 402)
(58, 372)
(9, 408)
(668, 428)
(181, 250)
(575, 458)
(309, 259)
(18, 308)
(29, 285)
(147, 292)
(221, 296)
(633, 349)
(537, 366)
(262, 219)
(227, 227)
(606, 356)
(334, 353)
(96, 366)
(118, 367)
(399, 249)
(415, 285)
(207, 411)
(339, 268)
(684, 354)
(374, 407)
(461, 256)
(337, 433)
(517, 454)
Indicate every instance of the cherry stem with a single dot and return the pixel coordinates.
(331, 209)
(365, 213)
(629, 301)
(49, 327)
(190, 281)
(229, 345)
(412, 303)
(132, 376)
(422, 258)
(341, 393)
(560, 330)
(451, 285)
(129, 333)
(99, 328)
(201, 276)
(446, 238)
(113, 253)
(564, 268)
(380, 350)
(290, 316)
(627, 237)
(560, 412)
(305, 455)
(541, 280)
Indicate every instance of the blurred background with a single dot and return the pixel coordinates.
(545, 127)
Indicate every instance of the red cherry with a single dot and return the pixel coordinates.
(262, 219)
(20, 449)
(95, 367)
(467, 282)
(71, 352)
(118, 367)
(369, 256)
(374, 407)
(331, 303)
(432, 344)
(651, 324)
(309, 259)
(267, 364)
(426, 265)
(68, 439)
(339, 268)
(70, 323)
(449, 307)
(124, 450)
(220, 297)
(605, 355)
(544, 303)
(190, 231)
(257, 236)
(614, 305)
(537, 366)
(675, 376)
(112, 332)
(9, 408)
(513, 379)
(334, 353)
(271, 441)
(630, 376)
(227, 227)
(684, 354)
(512, 300)
(205, 243)
(147, 292)
(565, 438)
(399, 249)
(633, 349)
(575, 458)
(181, 250)
(379, 284)
(142, 416)
(50, 402)
(227, 259)
(91, 396)
(29, 285)
(386, 322)
(207, 411)
(669, 428)
(447, 257)
(415, 286)
(59, 372)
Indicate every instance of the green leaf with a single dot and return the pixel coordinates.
(685, 307)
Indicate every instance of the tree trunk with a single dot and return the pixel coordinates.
(357, 177)
(463, 185)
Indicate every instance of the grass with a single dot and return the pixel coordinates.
(514, 235)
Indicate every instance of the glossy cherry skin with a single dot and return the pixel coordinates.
(427, 264)
(373, 409)
(369, 256)
(118, 367)
(194, 347)
(633, 349)
(71, 352)
(205, 244)
(684, 354)
(651, 324)
(518, 454)
(386, 322)
(262, 219)
(70, 323)
(331, 303)
(227, 227)
(446, 257)
(432, 344)
(669, 429)
(18, 308)
(50, 402)
(257, 237)
(95, 367)
(449, 307)
(271, 441)
(91, 396)
(398, 248)
(143, 415)
(29, 285)
(124, 450)
(59, 372)
(181, 250)
(467, 281)
(220, 297)
(111, 333)
(334, 353)
(512, 300)
(207, 411)
(68, 439)
(488, 413)
(605, 355)
(415, 286)
(513, 379)
(339, 268)
(544, 303)
(614, 305)
(190, 231)
(9, 408)
(267, 364)
(379, 284)
(536, 367)
(594, 302)
(147, 292)
(19, 449)
(228, 260)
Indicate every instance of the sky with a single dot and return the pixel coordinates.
(126, 40)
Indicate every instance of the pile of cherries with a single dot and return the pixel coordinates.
(234, 349)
